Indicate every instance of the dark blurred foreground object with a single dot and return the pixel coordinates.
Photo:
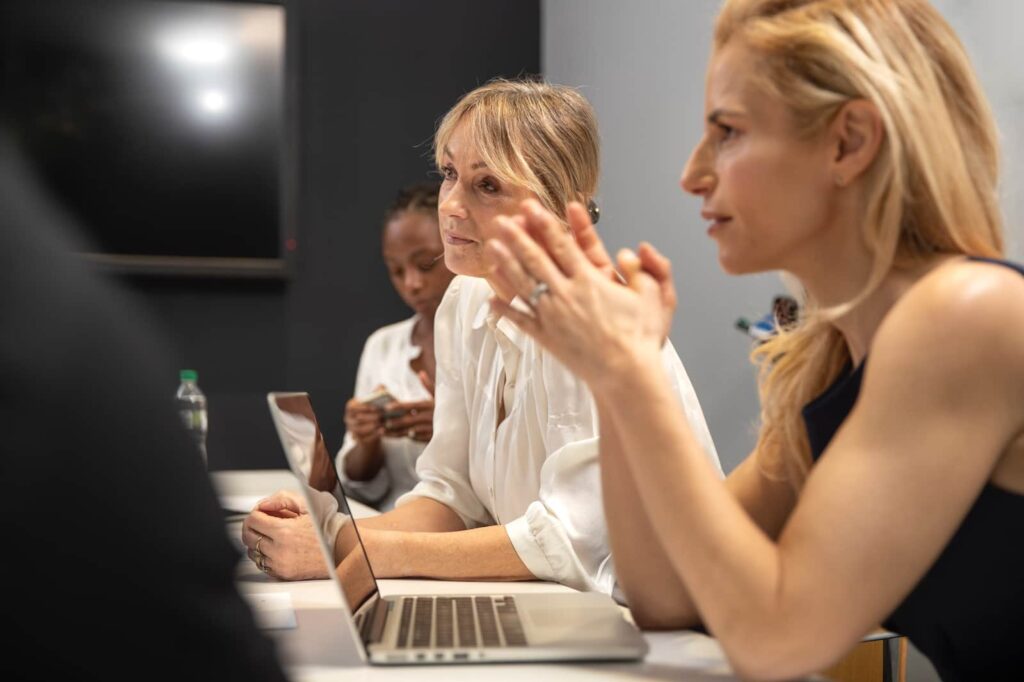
(115, 562)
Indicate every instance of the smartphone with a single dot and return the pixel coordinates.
(379, 399)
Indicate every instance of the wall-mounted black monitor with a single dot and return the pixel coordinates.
(160, 125)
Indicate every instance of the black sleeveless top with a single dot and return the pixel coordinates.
(967, 612)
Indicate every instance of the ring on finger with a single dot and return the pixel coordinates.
(534, 298)
(258, 541)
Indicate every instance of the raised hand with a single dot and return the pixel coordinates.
(592, 323)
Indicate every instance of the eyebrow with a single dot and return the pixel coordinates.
(715, 116)
(475, 166)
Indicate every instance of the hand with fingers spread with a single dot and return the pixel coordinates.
(584, 317)
(412, 419)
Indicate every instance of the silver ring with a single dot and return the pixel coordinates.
(257, 548)
(259, 562)
(534, 298)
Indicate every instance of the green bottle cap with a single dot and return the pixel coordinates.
(188, 375)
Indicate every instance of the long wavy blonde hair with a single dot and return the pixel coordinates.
(531, 134)
(932, 188)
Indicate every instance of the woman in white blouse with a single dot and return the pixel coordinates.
(377, 460)
(509, 484)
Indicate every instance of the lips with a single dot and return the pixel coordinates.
(456, 240)
(717, 220)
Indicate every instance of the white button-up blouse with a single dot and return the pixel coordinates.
(537, 471)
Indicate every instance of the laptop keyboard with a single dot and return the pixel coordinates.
(459, 622)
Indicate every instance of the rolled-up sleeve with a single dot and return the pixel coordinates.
(443, 468)
(562, 536)
(324, 509)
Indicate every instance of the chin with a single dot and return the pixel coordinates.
(732, 265)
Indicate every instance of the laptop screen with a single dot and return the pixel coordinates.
(303, 444)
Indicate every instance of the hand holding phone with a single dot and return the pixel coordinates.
(414, 419)
(385, 403)
(364, 415)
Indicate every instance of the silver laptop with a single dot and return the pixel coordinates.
(430, 629)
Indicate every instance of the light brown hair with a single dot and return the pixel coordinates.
(531, 134)
(931, 189)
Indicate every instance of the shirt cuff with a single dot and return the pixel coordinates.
(546, 550)
(332, 526)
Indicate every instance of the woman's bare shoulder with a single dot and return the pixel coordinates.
(965, 318)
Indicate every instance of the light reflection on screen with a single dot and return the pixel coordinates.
(159, 124)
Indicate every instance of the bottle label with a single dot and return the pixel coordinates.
(194, 420)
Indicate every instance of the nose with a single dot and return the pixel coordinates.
(698, 176)
(450, 201)
(413, 279)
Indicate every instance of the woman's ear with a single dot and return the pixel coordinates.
(855, 137)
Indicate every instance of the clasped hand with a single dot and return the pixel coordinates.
(281, 540)
(591, 318)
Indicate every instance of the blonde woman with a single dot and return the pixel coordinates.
(509, 484)
(847, 142)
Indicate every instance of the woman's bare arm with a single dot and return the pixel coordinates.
(425, 538)
(935, 415)
(879, 507)
(656, 595)
(479, 554)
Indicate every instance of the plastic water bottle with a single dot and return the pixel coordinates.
(192, 408)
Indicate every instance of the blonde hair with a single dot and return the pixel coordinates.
(531, 134)
(931, 189)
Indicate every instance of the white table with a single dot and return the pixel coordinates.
(319, 649)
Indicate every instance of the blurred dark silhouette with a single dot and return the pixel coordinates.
(116, 559)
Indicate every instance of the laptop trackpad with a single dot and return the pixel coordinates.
(574, 624)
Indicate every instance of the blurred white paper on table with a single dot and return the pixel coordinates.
(273, 610)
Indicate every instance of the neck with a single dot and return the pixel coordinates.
(424, 327)
(834, 280)
(860, 324)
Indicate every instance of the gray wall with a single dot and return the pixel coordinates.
(642, 66)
